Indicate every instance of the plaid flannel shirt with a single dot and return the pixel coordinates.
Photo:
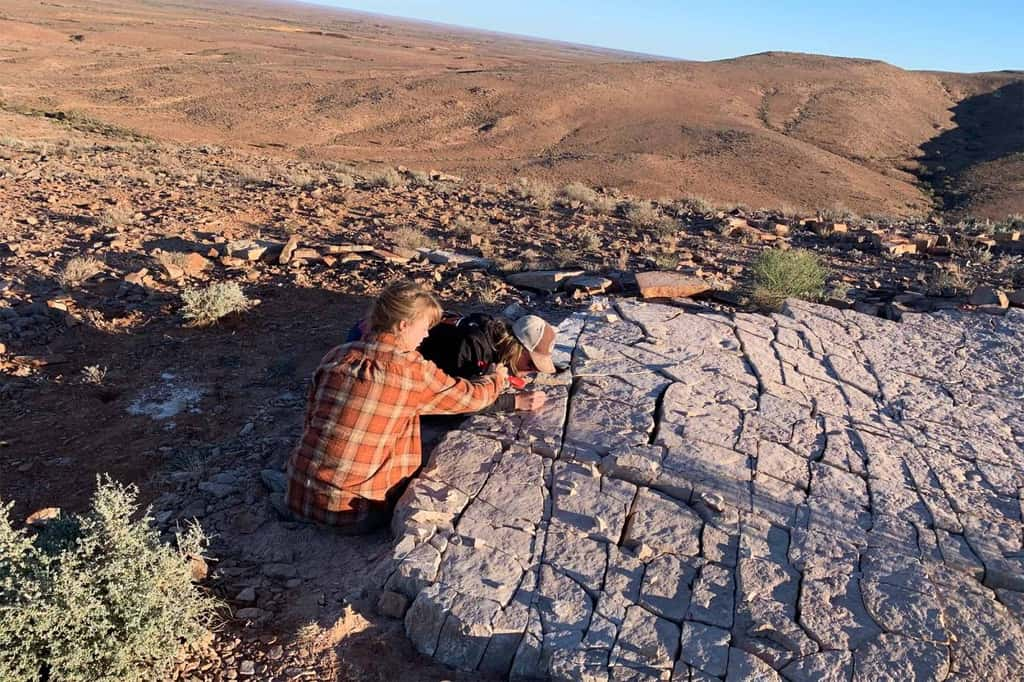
(362, 429)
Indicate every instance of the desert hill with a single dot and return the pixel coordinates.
(767, 130)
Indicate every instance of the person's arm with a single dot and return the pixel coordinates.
(442, 394)
(506, 402)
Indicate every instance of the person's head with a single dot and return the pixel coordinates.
(536, 338)
(509, 349)
(406, 310)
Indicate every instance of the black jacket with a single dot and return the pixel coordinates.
(466, 347)
(463, 346)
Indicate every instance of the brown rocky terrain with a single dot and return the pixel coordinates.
(768, 130)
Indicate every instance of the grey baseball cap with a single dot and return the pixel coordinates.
(538, 337)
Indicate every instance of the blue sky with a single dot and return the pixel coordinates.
(939, 35)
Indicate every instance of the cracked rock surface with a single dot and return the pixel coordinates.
(814, 495)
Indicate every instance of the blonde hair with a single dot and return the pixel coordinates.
(402, 301)
(509, 349)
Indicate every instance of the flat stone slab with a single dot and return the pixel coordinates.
(812, 495)
(658, 284)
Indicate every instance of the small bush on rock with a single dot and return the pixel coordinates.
(97, 596)
(204, 306)
(779, 275)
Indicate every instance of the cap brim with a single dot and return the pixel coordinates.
(541, 355)
(542, 362)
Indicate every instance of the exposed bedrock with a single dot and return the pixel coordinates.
(814, 495)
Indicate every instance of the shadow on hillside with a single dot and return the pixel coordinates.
(988, 127)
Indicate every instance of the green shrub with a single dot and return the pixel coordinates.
(204, 306)
(779, 275)
(97, 596)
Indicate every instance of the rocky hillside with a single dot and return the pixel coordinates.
(777, 130)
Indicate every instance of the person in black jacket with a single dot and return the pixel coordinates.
(467, 346)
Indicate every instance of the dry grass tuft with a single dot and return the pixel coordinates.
(385, 177)
(78, 270)
(540, 194)
(116, 216)
(412, 238)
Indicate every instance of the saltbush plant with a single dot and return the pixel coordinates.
(795, 273)
(98, 596)
(205, 305)
(78, 270)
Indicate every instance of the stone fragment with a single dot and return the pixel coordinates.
(663, 524)
(580, 557)
(827, 666)
(527, 663)
(288, 249)
(392, 604)
(646, 640)
(666, 586)
(542, 280)
(705, 648)
(589, 284)
(575, 665)
(305, 254)
(40, 518)
(425, 506)
(415, 571)
(507, 631)
(659, 284)
(592, 504)
(903, 611)
(483, 572)
(425, 617)
(624, 576)
(246, 596)
(712, 600)
(988, 296)
(832, 611)
(466, 632)
(463, 460)
(393, 255)
(563, 603)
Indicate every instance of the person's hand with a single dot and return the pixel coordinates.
(501, 372)
(530, 401)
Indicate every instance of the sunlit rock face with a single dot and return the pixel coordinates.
(813, 495)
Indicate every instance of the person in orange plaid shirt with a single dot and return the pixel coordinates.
(361, 440)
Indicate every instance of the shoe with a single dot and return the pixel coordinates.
(275, 481)
(280, 506)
